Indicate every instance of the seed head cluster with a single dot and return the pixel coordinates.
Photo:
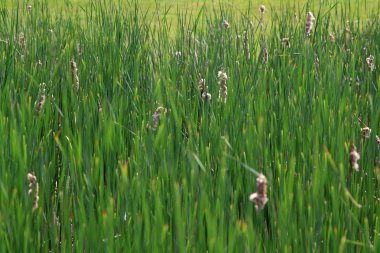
(366, 132)
(266, 56)
(33, 183)
(226, 24)
(203, 89)
(74, 74)
(222, 80)
(41, 101)
(354, 158)
(309, 22)
(371, 63)
(260, 197)
(156, 117)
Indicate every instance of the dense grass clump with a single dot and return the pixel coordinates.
(123, 132)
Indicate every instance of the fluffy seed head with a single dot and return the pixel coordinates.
(226, 24)
(366, 131)
(370, 62)
(33, 182)
(354, 158)
(74, 74)
(260, 197)
(309, 22)
(262, 9)
(286, 42)
(202, 85)
(156, 117)
(266, 56)
(206, 96)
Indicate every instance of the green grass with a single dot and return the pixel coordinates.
(109, 182)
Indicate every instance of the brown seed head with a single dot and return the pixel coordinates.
(354, 158)
(366, 132)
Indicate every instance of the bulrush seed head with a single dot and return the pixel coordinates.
(202, 85)
(332, 37)
(354, 158)
(156, 117)
(286, 42)
(266, 56)
(74, 74)
(366, 132)
(41, 101)
(370, 62)
(260, 197)
(226, 24)
(206, 96)
(378, 140)
(33, 182)
(309, 22)
(262, 9)
(222, 80)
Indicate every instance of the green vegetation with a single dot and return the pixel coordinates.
(80, 94)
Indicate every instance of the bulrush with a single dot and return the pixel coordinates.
(266, 56)
(262, 9)
(309, 22)
(74, 74)
(21, 39)
(156, 117)
(286, 42)
(203, 89)
(378, 140)
(354, 158)
(226, 24)
(370, 62)
(332, 37)
(222, 80)
(29, 7)
(33, 182)
(260, 197)
(366, 131)
(202, 85)
(246, 46)
(41, 101)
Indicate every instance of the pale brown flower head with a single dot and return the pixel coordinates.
(378, 140)
(260, 197)
(286, 42)
(222, 80)
(21, 39)
(354, 158)
(74, 74)
(206, 96)
(262, 9)
(156, 117)
(332, 37)
(366, 132)
(370, 62)
(222, 77)
(266, 56)
(29, 7)
(33, 182)
(226, 24)
(41, 101)
(309, 22)
(202, 85)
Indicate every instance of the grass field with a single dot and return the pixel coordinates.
(109, 141)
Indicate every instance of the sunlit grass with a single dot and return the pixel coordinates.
(128, 157)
